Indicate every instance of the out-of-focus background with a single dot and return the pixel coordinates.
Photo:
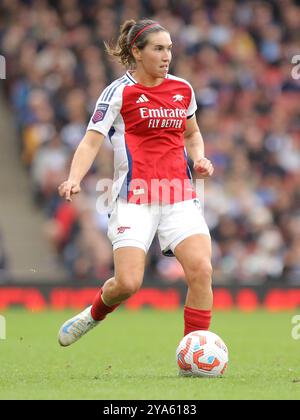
(240, 57)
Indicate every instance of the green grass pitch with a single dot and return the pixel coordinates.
(132, 356)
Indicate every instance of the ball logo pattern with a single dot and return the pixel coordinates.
(202, 353)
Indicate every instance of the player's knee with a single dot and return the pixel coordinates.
(128, 286)
(199, 273)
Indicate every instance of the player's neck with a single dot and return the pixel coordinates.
(145, 79)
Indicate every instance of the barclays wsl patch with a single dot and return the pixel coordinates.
(100, 112)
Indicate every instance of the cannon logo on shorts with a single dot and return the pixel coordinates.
(122, 229)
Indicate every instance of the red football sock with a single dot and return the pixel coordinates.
(99, 309)
(196, 319)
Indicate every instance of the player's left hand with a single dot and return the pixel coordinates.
(203, 167)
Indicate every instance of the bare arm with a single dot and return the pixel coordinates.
(83, 158)
(195, 148)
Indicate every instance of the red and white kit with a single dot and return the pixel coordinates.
(146, 128)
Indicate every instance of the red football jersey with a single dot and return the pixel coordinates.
(146, 128)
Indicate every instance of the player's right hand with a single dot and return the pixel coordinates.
(68, 188)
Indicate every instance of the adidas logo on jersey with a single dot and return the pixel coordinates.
(142, 98)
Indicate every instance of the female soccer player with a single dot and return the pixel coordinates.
(149, 116)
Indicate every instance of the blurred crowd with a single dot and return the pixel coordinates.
(238, 57)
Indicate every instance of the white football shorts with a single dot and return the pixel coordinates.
(135, 225)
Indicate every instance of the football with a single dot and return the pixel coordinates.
(202, 353)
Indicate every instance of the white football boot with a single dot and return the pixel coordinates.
(76, 327)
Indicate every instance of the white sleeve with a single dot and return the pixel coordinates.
(193, 105)
(106, 110)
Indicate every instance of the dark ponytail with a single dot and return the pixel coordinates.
(132, 33)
